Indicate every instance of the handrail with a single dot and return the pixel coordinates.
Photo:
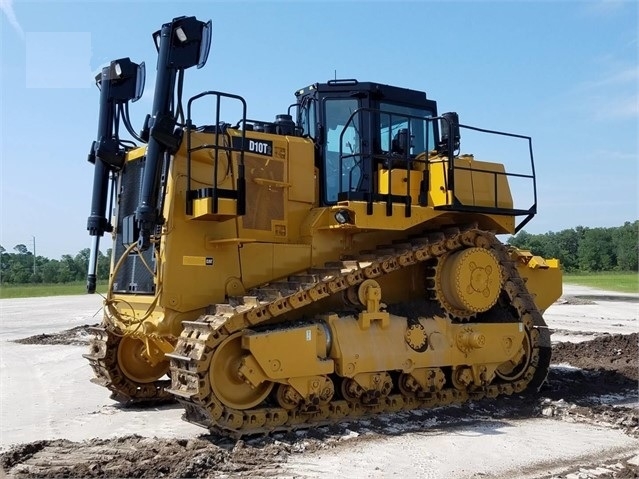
(216, 147)
(532, 164)
(357, 120)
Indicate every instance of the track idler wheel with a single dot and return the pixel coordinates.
(516, 367)
(122, 365)
(226, 381)
(468, 282)
(134, 362)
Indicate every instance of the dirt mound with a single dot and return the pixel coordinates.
(610, 352)
(582, 299)
(608, 371)
(574, 300)
(594, 389)
(78, 336)
(570, 394)
(134, 456)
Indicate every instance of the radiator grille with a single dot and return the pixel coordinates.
(133, 276)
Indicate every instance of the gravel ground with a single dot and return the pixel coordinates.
(583, 424)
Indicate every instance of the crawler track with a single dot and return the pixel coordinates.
(103, 359)
(198, 342)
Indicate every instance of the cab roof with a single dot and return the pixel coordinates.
(377, 91)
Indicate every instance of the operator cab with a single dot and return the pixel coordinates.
(361, 127)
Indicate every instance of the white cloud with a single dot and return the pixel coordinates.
(623, 107)
(622, 76)
(7, 8)
(604, 7)
(614, 94)
(614, 155)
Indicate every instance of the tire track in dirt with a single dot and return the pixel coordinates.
(610, 371)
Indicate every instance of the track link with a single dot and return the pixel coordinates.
(199, 339)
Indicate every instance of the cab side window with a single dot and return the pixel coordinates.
(341, 174)
(308, 118)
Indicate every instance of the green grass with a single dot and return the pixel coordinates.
(625, 282)
(53, 289)
(611, 281)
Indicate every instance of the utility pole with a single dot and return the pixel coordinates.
(34, 256)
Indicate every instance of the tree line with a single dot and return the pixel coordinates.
(586, 249)
(578, 249)
(21, 266)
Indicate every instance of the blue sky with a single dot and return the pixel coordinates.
(565, 73)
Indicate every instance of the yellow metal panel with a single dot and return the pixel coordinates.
(357, 350)
(301, 158)
(538, 262)
(290, 258)
(378, 220)
(399, 182)
(438, 194)
(203, 209)
(257, 263)
(472, 187)
(265, 196)
(463, 182)
(136, 153)
(488, 186)
(264, 262)
(289, 352)
(185, 286)
(545, 284)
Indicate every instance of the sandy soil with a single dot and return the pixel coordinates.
(585, 422)
(582, 313)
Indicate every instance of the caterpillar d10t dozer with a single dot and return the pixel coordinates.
(337, 262)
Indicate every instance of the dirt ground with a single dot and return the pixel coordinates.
(78, 336)
(592, 384)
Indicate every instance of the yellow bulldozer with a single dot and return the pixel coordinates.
(338, 262)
